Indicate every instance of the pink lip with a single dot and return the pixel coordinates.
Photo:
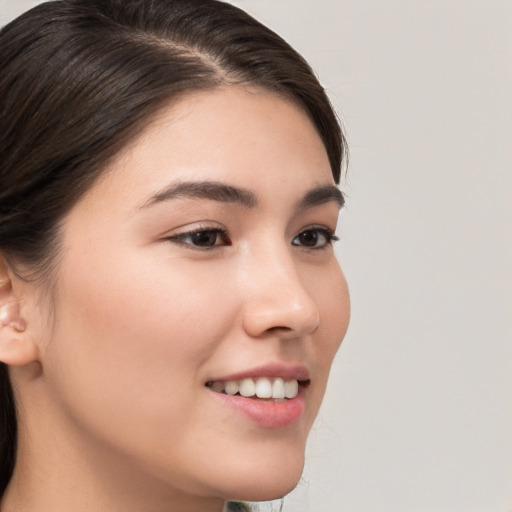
(266, 413)
(287, 372)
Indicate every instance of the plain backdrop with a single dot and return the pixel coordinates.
(418, 416)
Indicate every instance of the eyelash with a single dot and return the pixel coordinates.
(181, 238)
(329, 236)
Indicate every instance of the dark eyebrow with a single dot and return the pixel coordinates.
(216, 191)
(321, 195)
(211, 190)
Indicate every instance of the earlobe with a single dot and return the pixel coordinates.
(16, 346)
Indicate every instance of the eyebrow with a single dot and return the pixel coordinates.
(221, 192)
(322, 195)
(211, 190)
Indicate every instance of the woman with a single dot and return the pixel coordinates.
(170, 301)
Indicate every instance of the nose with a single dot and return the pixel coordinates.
(277, 301)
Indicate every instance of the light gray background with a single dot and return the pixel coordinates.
(418, 416)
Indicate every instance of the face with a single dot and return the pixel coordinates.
(199, 269)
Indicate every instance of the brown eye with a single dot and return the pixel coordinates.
(314, 238)
(203, 239)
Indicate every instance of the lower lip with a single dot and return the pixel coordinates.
(266, 413)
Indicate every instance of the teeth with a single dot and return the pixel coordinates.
(247, 388)
(262, 388)
(219, 387)
(291, 388)
(278, 389)
(231, 387)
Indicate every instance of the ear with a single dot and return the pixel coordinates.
(17, 347)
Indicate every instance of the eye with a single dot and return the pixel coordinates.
(315, 238)
(202, 238)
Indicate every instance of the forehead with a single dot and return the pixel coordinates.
(244, 137)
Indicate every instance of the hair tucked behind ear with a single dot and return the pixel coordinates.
(79, 78)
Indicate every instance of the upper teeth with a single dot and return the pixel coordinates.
(262, 388)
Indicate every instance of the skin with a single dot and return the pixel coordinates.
(111, 371)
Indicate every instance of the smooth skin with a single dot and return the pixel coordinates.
(111, 365)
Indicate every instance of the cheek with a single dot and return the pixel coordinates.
(139, 304)
(331, 294)
(330, 291)
(130, 338)
(338, 310)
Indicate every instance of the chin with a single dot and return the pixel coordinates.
(267, 482)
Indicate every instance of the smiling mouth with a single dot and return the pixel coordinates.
(264, 388)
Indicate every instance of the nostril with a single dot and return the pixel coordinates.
(279, 328)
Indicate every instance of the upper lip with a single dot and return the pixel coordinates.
(285, 371)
